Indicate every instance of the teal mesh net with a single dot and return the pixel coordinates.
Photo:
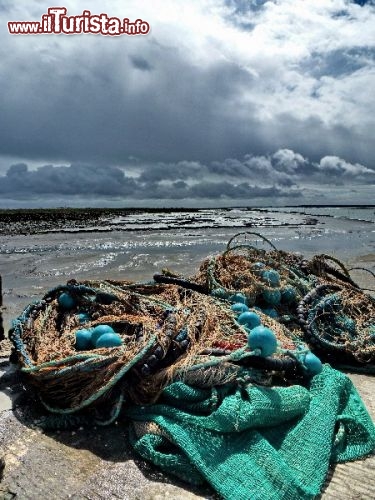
(255, 442)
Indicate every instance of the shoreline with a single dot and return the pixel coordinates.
(14, 222)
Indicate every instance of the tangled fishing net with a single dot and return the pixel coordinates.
(316, 299)
(340, 323)
(167, 333)
(215, 372)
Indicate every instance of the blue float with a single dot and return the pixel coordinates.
(288, 295)
(271, 313)
(83, 339)
(238, 297)
(271, 277)
(312, 364)
(249, 319)
(83, 317)
(109, 340)
(66, 301)
(258, 268)
(220, 293)
(272, 297)
(264, 339)
(239, 307)
(100, 330)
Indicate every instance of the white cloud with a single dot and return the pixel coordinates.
(288, 161)
(338, 166)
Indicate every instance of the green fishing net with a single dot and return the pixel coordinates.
(252, 441)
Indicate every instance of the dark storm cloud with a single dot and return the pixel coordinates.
(332, 166)
(276, 168)
(275, 176)
(286, 168)
(289, 162)
(105, 100)
(89, 181)
(85, 111)
(281, 168)
(214, 190)
(305, 134)
(363, 2)
(245, 6)
(224, 190)
(73, 180)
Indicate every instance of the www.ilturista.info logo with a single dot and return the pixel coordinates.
(57, 22)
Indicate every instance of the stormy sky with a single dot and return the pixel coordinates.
(224, 102)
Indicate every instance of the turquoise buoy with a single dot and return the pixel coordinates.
(83, 317)
(100, 330)
(238, 297)
(271, 313)
(312, 364)
(288, 295)
(109, 340)
(66, 301)
(272, 297)
(264, 339)
(271, 277)
(83, 339)
(249, 319)
(239, 307)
